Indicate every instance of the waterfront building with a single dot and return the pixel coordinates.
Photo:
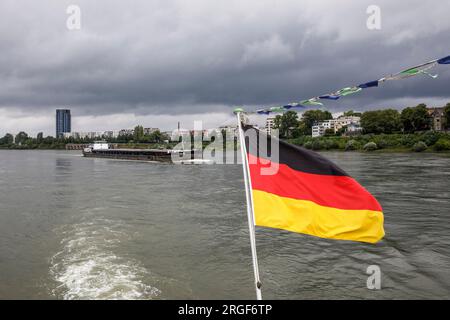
(204, 133)
(126, 132)
(318, 130)
(89, 134)
(270, 121)
(178, 133)
(150, 130)
(345, 122)
(231, 132)
(330, 124)
(111, 134)
(63, 122)
(351, 123)
(353, 128)
(438, 118)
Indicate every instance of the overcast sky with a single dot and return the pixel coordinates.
(156, 62)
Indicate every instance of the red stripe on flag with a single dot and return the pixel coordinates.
(340, 192)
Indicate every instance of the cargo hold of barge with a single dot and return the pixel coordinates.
(100, 149)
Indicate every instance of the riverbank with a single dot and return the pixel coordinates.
(62, 146)
(12, 146)
(415, 142)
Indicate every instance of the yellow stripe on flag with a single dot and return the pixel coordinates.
(307, 217)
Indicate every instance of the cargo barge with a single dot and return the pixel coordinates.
(101, 149)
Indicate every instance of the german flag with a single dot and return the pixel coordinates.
(311, 195)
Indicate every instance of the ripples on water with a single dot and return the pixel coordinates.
(76, 228)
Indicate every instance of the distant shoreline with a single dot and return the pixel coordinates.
(380, 151)
(428, 141)
(365, 144)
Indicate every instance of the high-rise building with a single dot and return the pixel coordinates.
(63, 122)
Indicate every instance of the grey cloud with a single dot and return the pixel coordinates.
(179, 57)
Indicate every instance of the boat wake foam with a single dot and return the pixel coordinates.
(88, 268)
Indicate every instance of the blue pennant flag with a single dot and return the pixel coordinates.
(329, 97)
(293, 105)
(445, 60)
(369, 84)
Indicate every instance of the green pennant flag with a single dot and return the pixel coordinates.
(348, 91)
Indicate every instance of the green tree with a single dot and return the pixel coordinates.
(39, 137)
(156, 136)
(138, 133)
(303, 129)
(416, 118)
(352, 113)
(21, 137)
(165, 136)
(286, 123)
(341, 131)
(381, 121)
(277, 122)
(311, 117)
(447, 115)
(7, 139)
(442, 144)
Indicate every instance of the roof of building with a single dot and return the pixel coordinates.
(436, 112)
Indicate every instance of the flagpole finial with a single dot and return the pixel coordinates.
(238, 110)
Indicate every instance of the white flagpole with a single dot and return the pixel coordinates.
(250, 209)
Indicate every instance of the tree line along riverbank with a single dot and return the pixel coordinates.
(410, 129)
(415, 142)
(22, 141)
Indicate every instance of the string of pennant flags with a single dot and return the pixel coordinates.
(268, 204)
(422, 69)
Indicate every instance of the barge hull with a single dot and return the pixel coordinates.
(132, 154)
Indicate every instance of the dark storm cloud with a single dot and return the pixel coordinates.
(178, 57)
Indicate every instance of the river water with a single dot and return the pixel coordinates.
(79, 228)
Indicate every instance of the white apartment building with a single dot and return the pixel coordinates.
(105, 134)
(111, 134)
(126, 132)
(352, 123)
(318, 131)
(270, 121)
(150, 130)
(83, 135)
(353, 127)
(345, 121)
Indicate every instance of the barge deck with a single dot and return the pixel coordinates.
(157, 155)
